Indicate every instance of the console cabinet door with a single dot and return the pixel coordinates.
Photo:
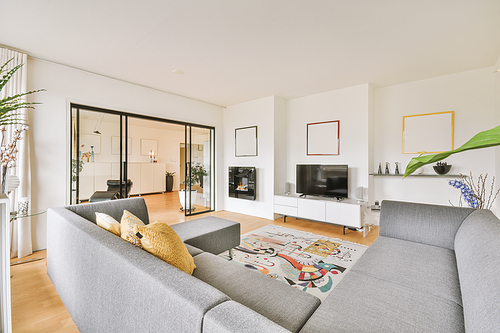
(147, 180)
(134, 174)
(344, 214)
(159, 177)
(311, 209)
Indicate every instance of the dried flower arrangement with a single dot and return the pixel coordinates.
(476, 194)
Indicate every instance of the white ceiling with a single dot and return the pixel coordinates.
(234, 51)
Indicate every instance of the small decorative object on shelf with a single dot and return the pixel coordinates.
(396, 171)
(92, 153)
(442, 168)
(474, 193)
(387, 168)
(379, 168)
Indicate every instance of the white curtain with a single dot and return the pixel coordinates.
(20, 229)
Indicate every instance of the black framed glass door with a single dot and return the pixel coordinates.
(198, 170)
(154, 148)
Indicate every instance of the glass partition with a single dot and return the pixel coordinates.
(155, 148)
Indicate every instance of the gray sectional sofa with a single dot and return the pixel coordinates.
(432, 269)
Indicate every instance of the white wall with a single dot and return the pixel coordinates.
(49, 125)
(349, 106)
(470, 94)
(258, 113)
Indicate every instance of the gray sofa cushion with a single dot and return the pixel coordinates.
(361, 303)
(109, 285)
(136, 206)
(233, 317)
(477, 248)
(425, 268)
(421, 223)
(210, 234)
(283, 304)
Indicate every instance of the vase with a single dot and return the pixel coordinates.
(169, 183)
(182, 198)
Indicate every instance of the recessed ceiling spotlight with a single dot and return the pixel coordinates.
(177, 71)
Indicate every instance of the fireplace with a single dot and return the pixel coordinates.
(242, 182)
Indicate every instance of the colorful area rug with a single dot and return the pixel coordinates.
(308, 262)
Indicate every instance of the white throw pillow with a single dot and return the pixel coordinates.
(108, 222)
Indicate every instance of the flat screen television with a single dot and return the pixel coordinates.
(327, 180)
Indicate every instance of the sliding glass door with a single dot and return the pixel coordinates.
(97, 161)
(198, 170)
(116, 155)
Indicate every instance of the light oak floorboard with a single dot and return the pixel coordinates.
(36, 306)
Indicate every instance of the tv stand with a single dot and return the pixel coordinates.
(347, 213)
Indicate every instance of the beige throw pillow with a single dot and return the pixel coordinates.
(162, 241)
(108, 222)
(127, 224)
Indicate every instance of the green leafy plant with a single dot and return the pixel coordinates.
(169, 174)
(485, 139)
(75, 164)
(10, 104)
(197, 172)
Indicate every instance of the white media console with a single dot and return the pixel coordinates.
(348, 213)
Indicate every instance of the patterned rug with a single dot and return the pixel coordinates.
(308, 262)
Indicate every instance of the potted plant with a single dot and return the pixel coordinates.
(197, 173)
(169, 176)
(9, 115)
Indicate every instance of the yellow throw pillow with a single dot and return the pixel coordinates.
(108, 222)
(162, 241)
(127, 224)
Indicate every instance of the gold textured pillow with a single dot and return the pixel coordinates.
(107, 222)
(162, 241)
(127, 224)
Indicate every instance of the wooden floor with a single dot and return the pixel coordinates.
(36, 307)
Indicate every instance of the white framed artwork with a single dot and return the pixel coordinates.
(323, 138)
(148, 145)
(245, 141)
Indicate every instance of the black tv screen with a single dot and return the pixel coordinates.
(324, 180)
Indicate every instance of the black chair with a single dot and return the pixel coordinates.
(113, 191)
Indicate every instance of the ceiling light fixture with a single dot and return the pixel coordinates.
(177, 71)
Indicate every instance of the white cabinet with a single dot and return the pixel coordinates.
(311, 209)
(146, 177)
(346, 213)
(285, 205)
(147, 180)
(159, 181)
(134, 174)
(93, 177)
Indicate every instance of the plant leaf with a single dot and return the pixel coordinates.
(485, 139)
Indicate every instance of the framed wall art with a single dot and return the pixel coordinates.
(245, 141)
(323, 138)
(428, 132)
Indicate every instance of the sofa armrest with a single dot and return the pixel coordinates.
(109, 285)
(422, 223)
(233, 317)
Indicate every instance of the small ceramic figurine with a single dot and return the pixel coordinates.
(387, 168)
(396, 172)
(379, 168)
